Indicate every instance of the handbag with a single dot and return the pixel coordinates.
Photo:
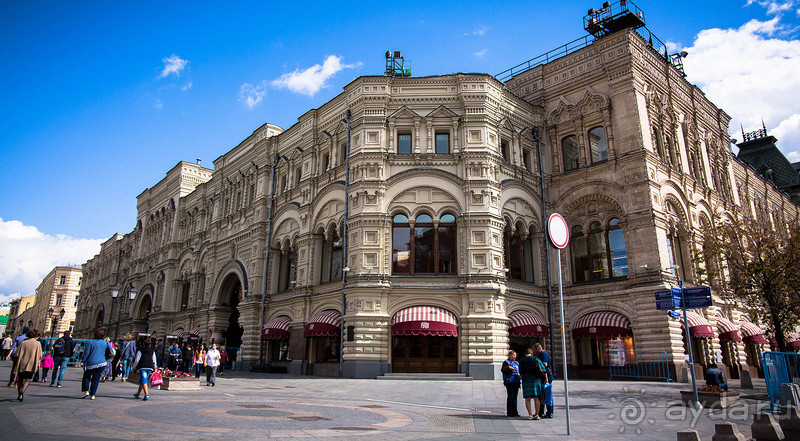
(156, 380)
(548, 394)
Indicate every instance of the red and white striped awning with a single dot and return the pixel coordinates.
(752, 333)
(195, 332)
(180, 333)
(527, 324)
(699, 326)
(325, 323)
(601, 324)
(424, 320)
(727, 330)
(276, 329)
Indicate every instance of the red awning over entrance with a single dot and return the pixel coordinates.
(602, 324)
(425, 320)
(527, 324)
(323, 324)
(699, 326)
(276, 329)
(195, 332)
(727, 330)
(752, 334)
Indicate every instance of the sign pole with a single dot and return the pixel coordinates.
(559, 237)
(689, 345)
(564, 339)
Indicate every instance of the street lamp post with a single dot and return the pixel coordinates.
(54, 320)
(114, 294)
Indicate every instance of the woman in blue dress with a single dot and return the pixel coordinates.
(531, 370)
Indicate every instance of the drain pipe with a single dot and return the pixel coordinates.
(266, 260)
(345, 268)
(535, 133)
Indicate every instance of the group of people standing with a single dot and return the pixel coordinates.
(534, 374)
(28, 358)
(196, 358)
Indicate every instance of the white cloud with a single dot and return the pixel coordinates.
(27, 255)
(187, 87)
(751, 73)
(251, 95)
(773, 7)
(481, 53)
(480, 31)
(311, 80)
(173, 65)
(158, 104)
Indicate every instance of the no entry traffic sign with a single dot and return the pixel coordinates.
(558, 231)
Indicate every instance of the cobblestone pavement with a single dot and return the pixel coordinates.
(249, 405)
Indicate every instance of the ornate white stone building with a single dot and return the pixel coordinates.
(433, 215)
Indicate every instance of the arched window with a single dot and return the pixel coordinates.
(519, 255)
(597, 144)
(429, 250)
(331, 259)
(569, 148)
(600, 253)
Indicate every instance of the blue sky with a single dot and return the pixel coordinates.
(99, 99)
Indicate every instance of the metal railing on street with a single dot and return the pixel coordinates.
(779, 368)
(651, 365)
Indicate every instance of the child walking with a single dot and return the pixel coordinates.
(47, 364)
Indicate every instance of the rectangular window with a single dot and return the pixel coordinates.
(298, 175)
(75, 303)
(404, 143)
(79, 280)
(63, 280)
(325, 160)
(526, 159)
(59, 298)
(442, 143)
(505, 150)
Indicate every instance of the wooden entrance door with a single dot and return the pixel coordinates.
(423, 353)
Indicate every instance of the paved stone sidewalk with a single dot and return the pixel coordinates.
(250, 405)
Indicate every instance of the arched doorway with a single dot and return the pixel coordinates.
(142, 318)
(232, 295)
(99, 321)
(424, 339)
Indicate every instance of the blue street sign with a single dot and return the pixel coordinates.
(666, 295)
(676, 292)
(698, 302)
(699, 291)
(668, 305)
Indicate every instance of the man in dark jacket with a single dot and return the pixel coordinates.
(547, 361)
(62, 351)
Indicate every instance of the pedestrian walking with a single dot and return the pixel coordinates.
(212, 362)
(199, 359)
(223, 360)
(128, 351)
(159, 350)
(29, 355)
(47, 364)
(14, 358)
(62, 351)
(511, 380)
(116, 362)
(5, 346)
(94, 362)
(144, 364)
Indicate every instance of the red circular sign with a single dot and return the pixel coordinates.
(557, 230)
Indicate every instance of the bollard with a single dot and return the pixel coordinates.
(727, 432)
(765, 428)
(790, 422)
(688, 435)
(746, 380)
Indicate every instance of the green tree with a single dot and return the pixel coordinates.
(758, 267)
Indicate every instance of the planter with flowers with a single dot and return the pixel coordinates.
(711, 397)
(178, 380)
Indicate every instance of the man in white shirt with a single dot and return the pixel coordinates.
(5, 347)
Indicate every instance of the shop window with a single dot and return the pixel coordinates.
(597, 144)
(429, 250)
(404, 143)
(326, 349)
(279, 350)
(616, 246)
(605, 352)
(442, 143)
(569, 148)
(331, 260)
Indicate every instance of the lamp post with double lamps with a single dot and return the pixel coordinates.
(114, 294)
(54, 320)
